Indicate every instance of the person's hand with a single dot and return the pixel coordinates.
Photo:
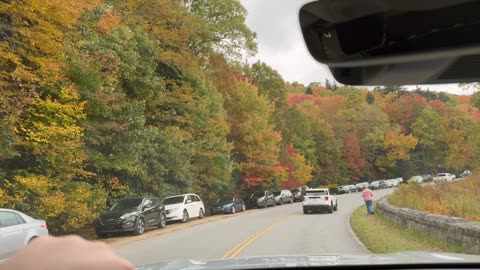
(65, 253)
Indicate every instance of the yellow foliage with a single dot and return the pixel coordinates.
(302, 172)
(399, 145)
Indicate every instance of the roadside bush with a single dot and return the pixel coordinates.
(458, 199)
(67, 206)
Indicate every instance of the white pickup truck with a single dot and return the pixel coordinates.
(317, 199)
(444, 177)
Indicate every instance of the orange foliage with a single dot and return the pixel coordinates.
(108, 22)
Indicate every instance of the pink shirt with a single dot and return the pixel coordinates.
(367, 194)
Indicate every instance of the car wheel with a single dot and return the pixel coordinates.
(336, 206)
(243, 207)
(33, 238)
(163, 221)
(265, 205)
(330, 209)
(140, 227)
(185, 216)
(274, 204)
(233, 209)
(305, 211)
(281, 201)
(201, 214)
(99, 236)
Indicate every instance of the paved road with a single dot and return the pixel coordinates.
(274, 231)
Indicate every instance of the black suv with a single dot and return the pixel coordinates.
(131, 215)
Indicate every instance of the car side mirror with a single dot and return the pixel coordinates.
(188, 201)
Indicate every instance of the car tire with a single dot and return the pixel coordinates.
(265, 204)
(291, 200)
(185, 216)
(330, 209)
(281, 201)
(336, 207)
(139, 226)
(99, 236)
(33, 238)
(163, 221)
(305, 211)
(233, 209)
(201, 214)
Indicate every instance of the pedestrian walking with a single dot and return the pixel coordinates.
(367, 195)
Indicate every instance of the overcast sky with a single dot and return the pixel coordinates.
(281, 46)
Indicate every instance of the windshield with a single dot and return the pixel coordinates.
(173, 200)
(225, 200)
(127, 204)
(194, 102)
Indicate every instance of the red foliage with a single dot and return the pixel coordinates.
(294, 99)
(438, 106)
(316, 90)
(290, 184)
(291, 150)
(475, 115)
(406, 109)
(353, 155)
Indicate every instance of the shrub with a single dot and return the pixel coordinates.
(458, 198)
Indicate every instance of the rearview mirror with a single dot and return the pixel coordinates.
(372, 42)
(188, 201)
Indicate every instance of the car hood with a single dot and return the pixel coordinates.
(316, 260)
(117, 214)
(171, 206)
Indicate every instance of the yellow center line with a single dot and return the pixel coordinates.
(242, 245)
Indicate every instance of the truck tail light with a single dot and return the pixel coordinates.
(326, 198)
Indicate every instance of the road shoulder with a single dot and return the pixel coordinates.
(381, 236)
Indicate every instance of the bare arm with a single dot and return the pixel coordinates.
(69, 252)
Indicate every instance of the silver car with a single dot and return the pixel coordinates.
(17, 230)
(283, 196)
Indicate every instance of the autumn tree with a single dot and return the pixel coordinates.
(430, 131)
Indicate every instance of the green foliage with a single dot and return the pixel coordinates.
(370, 98)
(224, 26)
(106, 99)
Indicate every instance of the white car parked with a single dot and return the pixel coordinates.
(416, 178)
(316, 199)
(17, 230)
(183, 207)
(444, 177)
(394, 182)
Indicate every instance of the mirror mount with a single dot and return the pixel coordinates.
(385, 42)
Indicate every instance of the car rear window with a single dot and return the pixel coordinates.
(316, 192)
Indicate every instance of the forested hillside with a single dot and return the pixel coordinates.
(105, 99)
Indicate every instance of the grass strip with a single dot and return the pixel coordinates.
(382, 236)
